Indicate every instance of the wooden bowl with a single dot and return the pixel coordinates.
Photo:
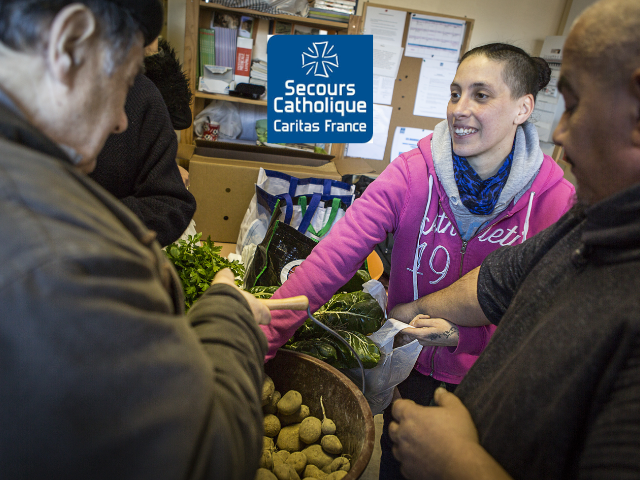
(343, 402)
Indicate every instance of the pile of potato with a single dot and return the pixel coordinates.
(297, 445)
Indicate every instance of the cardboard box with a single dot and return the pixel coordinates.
(223, 176)
(224, 188)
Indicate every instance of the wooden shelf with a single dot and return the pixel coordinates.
(229, 98)
(286, 18)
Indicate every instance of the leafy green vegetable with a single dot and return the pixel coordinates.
(331, 350)
(263, 292)
(353, 316)
(198, 264)
(356, 282)
(356, 312)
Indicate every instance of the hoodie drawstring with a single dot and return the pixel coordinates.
(525, 229)
(419, 250)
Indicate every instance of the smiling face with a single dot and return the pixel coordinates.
(597, 126)
(482, 115)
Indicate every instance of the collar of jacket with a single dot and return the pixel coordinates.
(611, 231)
(15, 128)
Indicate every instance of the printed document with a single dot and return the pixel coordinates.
(434, 88)
(405, 139)
(374, 148)
(437, 38)
(386, 25)
(383, 89)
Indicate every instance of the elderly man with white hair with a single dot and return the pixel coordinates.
(102, 375)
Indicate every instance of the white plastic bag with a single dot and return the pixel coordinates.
(394, 366)
(225, 113)
(328, 199)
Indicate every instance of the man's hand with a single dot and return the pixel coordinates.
(260, 312)
(430, 331)
(427, 439)
(440, 442)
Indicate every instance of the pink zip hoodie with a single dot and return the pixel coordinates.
(409, 200)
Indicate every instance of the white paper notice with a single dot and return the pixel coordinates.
(374, 148)
(385, 25)
(386, 59)
(435, 37)
(405, 139)
(383, 89)
(434, 88)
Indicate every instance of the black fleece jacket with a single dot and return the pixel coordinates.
(139, 166)
(556, 394)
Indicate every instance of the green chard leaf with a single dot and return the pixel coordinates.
(356, 312)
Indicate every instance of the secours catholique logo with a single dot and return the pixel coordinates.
(320, 89)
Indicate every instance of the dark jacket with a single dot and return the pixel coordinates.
(139, 166)
(556, 394)
(102, 376)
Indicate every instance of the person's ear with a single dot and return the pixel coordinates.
(70, 35)
(635, 90)
(525, 108)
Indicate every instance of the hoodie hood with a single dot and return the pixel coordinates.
(527, 160)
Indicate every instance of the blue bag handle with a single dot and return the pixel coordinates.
(310, 212)
(288, 213)
(293, 185)
(327, 187)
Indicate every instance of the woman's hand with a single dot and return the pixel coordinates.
(430, 331)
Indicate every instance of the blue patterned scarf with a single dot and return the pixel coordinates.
(480, 196)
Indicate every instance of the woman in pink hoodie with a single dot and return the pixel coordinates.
(478, 183)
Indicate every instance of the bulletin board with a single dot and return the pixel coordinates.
(404, 92)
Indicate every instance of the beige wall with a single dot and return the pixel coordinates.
(524, 23)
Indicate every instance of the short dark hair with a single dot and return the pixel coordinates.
(523, 73)
(23, 24)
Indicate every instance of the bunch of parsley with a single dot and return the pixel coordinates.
(198, 264)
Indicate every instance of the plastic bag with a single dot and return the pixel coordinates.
(312, 205)
(394, 366)
(225, 113)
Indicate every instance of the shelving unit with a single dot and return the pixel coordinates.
(199, 14)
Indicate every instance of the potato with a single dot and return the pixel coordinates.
(289, 403)
(272, 406)
(331, 444)
(285, 472)
(289, 438)
(282, 454)
(271, 425)
(336, 475)
(310, 430)
(314, 472)
(268, 387)
(266, 460)
(264, 474)
(298, 461)
(297, 417)
(340, 463)
(328, 427)
(318, 457)
(267, 444)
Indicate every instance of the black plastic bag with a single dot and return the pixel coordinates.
(281, 251)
